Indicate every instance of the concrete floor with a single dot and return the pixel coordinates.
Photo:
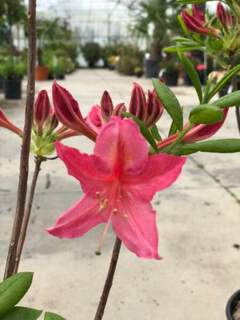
(198, 219)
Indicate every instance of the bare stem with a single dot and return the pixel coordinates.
(109, 280)
(24, 160)
(27, 212)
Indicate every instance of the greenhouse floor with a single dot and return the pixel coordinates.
(198, 221)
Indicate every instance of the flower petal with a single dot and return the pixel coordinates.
(138, 230)
(85, 168)
(121, 146)
(161, 171)
(78, 220)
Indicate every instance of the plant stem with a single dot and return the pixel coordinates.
(24, 160)
(109, 280)
(237, 108)
(27, 213)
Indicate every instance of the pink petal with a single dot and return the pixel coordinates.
(121, 146)
(161, 171)
(94, 118)
(85, 168)
(138, 230)
(78, 220)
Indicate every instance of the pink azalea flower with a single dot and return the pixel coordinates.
(119, 181)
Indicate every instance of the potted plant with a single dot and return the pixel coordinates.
(13, 70)
(169, 72)
(92, 53)
(233, 307)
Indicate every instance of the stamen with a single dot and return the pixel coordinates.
(103, 236)
(103, 205)
(125, 215)
(98, 195)
(115, 210)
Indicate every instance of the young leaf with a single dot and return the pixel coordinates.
(13, 289)
(144, 130)
(21, 313)
(155, 133)
(182, 48)
(172, 130)
(206, 114)
(216, 146)
(230, 100)
(52, 316)
(192, 73)
(223, 82)
(170, 102)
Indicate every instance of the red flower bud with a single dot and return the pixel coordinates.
(198, 13)
(6, 123)
(196, 23)
(119, 109)
(155, 109)
(224, 17)
(42, 111)
(106, 105)
(138, 102)
(68, 112)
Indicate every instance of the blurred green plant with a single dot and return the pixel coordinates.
(12, 68)
(92, 53)
(130, 59)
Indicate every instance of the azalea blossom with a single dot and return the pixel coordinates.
(119, 180)
(147, 109)
(7, 124)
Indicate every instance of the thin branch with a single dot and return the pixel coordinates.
(26, 218)
(109, 280)
(24, 160)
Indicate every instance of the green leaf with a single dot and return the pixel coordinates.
(52, 316)
(21, 313)
(170, 102)
(192, 73)
(230, 100)
(182, 24)
(182, 48)
(155, 133)
(206, 114)
(144, 130)
(13, 289)
(216, 146)
(223, 82)
(173, 129)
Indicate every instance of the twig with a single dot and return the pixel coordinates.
(24, 160)
(109, 280)
(27, 213)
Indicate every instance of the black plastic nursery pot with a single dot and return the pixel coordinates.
(1, 83)
(13, 89)
(152, 68)
(231, 306)
(170, 78)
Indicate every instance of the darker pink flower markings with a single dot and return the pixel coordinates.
(118, 181)
(6, 123)
(68, 112)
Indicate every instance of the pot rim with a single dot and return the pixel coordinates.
(229, 304)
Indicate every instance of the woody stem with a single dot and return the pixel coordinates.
(27, 213)
(109, 280)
